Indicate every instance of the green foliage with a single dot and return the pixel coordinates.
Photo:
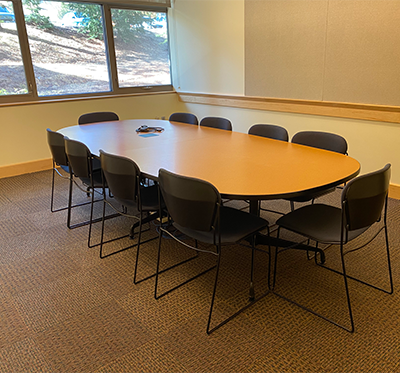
(13, 91)
(126, 23)
(92, 18)
(34, 17)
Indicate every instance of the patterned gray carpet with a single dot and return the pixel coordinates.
(63, 309)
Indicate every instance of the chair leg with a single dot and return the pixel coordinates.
(102, 242)
(252, 300)
(52, 191)
(102, 229)
(135, 281)
(91, 218)
(251, 291)
(158, 271)
(158, 263)
(390, 291)
(69, 202)
(351, 329)
(345, 279)
(209, 331)
(388, 259)
(52, 209)
(274, 269)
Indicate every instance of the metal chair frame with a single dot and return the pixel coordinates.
(217, 243)
(86, 174)
(140, 221)
(59, 159)
(135, 202)
(344, 238)
(54, 171)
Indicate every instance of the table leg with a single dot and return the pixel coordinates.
(255, 207)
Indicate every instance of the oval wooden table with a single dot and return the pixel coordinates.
(241, 166)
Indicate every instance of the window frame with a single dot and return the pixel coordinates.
(106, 5)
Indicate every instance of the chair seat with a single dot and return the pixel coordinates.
(149, 198)
(235, 224)
(96, 165)
(319, 222)
(97, 179)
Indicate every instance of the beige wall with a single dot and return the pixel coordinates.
(23, 132)
(209, 41)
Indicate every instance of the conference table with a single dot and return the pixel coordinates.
(240, 166)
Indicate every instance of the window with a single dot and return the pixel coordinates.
(53, 48)
(12, 74)
(146, 61)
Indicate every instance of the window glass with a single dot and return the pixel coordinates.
(141, 47)
(60, 48)
(12, 73)
(67, 46)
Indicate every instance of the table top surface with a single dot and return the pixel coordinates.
(240, 166)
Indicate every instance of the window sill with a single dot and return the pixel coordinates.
(84, 98)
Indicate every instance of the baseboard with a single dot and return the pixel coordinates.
(25, 168)
(394, 191)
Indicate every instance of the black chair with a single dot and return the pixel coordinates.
(99, 116)
(130, 198)
(364, 200)
(270, 131)
(95, 117)
(195, 209)
(216, 122)
(81, 167)
(57, 147)
(184, 118)
(321, 140)
(56, 144)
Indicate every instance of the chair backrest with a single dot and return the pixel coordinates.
(364, 197)
(184, 118)
(99, 116)
(192, 203)
(57, 147)
(321, 140)
(217, 122)
(79, 158)
(269, 130)
(122, 176)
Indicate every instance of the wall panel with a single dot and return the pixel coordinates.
(328, 50)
